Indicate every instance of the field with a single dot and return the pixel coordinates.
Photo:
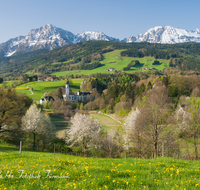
(106, 121)
(60, 123)
(115, 60)
(40, 87)
(40, 170)
(9, 83)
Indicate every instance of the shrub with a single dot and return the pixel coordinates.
(125, 105)
(123, 112)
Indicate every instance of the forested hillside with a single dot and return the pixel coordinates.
(87, 56)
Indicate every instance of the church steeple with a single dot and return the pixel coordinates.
(67, 88)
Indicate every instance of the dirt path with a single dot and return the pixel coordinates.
(110, 117)
(106, 115)
(29, 90)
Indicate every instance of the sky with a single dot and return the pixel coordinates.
(115, 18)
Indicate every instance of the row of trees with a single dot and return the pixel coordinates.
(156, 53)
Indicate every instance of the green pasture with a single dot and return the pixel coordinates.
(61, 125)
(40, 87)
(115, 60)
(9, 83)
(107, 122)
(41, 170)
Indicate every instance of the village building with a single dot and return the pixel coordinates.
(111, 69)
(46, 99)
(80, 96)
(48, 79)
(69, 94)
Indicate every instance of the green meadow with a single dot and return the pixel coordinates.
(115, 60)
(61, 125)
(40, 87)
(41, 170)
(106, 121)
(9, 83)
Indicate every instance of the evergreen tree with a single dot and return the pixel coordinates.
(59, 93)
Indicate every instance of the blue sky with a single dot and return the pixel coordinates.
(116, 18)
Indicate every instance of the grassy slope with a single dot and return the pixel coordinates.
(106, 121)
(94, 173)
(40, 87)
(115, 60)
(9, 83)
(61, 124)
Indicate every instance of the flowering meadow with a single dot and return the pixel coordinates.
(39, 170)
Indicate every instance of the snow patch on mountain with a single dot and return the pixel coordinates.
(9, 54)
(91, 35)
(169, 35)
(129, 40)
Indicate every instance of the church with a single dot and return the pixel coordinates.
(73, 96)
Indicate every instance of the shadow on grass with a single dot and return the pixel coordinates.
(137, 66)
(103, 58)
(10, 149)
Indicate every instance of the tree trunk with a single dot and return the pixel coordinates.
(156, 142)
(33, 141)
(195, 146)
(43, 144)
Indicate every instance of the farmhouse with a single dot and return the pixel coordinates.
(80, 96)
(46, 98)
(48, 79)
(111, 69)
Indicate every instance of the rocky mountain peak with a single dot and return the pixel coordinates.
(50, 37)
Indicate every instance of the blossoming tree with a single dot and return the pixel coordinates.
(83, 131)
(38, 123)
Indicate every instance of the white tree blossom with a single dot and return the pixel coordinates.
(83, 131)
(38, 123)
(182, 118)
(31, 120)
(129, 126)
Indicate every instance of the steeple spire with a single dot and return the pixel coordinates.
(67, 88)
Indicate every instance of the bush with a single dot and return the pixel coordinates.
(109, 109)
(123, 105)
(123, 112)
(126, 68)
(156, 62)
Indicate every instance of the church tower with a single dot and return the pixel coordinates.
(67, 88)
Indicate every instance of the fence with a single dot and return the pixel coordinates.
(63, 149)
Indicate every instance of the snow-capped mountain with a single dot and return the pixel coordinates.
(50, 37)
(130, 39)
(169, 35)
(90, 35)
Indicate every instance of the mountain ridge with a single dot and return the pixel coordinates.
(50, 37)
